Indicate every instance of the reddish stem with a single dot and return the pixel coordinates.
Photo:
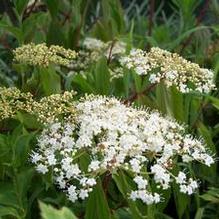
(136, 95)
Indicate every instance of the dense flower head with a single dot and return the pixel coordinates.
(13, 100)
(51, 108)
(113, 136)
(170, 68)
(47, 110)
(42, 55)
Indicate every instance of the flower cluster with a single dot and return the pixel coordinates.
(110, 48)
(82, 62)
(171, 68)
(92, 50)
(47, 110)
(112, 136)
(41, 55)
(13, 100)
(51, 108)
(93, 44)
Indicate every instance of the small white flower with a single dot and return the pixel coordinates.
(73, 170)
(183, 188)
(51, 159)
(152, 78)
(91, 182)
(134, 195)
(141, 182)
(35, 157)
(83, 194)
(208, 160)
(94, 165)
(72, 193)
(180, 179)
(42, 168)
(186, 158)
(135, 164)
(156, 198)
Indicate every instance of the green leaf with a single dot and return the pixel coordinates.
(181, 201)
(8, 195)
(53, 6)
(56, 34)
(30, 24)
(210, 198)
(102, 77)
(199, 214)
(83, 84)
(124, 187)
(21, 148)
(184, 35)
(4, 211)
(48, 212)
(15, 31)
(50, 80)
(97, 206)
(215, 101)
(20, 5)
(177, 104)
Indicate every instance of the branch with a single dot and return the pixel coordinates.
(106, 180)
(151, 15)
(110, 52)
(136, 95)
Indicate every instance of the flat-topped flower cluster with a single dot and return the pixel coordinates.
(172, 69)
(111, 136)
(13, 100)
(47, 110)
(42, 55)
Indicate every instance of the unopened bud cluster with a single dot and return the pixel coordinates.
(55, 107)
(42, 55)
(12, 100)
(47, 110)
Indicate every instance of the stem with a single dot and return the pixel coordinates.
(110, 52)
(30, 9)
(150, 20)
(66, 17)
(151, 15)
(106, 180)
(136, 95)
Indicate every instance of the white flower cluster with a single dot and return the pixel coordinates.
(171, 68)
(92, 50)
(93, 44)
(138, 60)
(115, 136)
(58, 151)
(186, 187)
(99, 47)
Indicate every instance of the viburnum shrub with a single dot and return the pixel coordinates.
(111, 134)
